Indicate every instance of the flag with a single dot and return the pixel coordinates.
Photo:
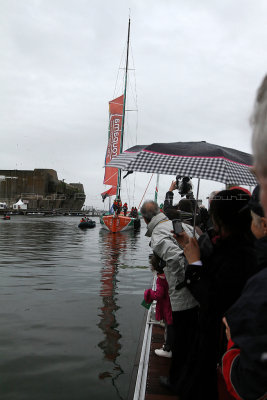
(114, 139)
(110, 192)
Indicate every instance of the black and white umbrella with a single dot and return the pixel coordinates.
(124, 159)
(195, 159)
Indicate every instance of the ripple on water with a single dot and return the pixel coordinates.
(70, 310)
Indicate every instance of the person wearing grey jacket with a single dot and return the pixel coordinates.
(184, 305)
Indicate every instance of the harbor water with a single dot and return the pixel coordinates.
(71, 309)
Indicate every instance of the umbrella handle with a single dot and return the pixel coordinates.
(195, 211)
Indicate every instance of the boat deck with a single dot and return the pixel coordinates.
(157, 366)
(151, 367)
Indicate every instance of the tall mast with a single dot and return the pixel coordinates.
(124, 105)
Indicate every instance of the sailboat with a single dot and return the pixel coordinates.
(117, 222)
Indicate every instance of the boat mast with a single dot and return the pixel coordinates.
(124, 105)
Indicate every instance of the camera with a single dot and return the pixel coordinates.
(184, 185)
(177, 226)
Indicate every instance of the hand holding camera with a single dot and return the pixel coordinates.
(192, 251)
(179, 234)
(177, 226)
(184, 185)
(173, 186)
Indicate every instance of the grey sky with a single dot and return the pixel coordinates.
(198, 64)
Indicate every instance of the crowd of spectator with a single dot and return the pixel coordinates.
(212, 283)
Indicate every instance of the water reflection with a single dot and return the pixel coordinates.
(113, 246)
(63, 291)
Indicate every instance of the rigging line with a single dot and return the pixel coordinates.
(128, 193)
(122, 57)
(133, 93)
(135, 97)
(136, 102)
(145, 191)
(134, 188)
(129, 140)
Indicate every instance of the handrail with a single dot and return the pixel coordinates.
(140, 385)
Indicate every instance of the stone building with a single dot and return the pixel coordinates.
(40, 189)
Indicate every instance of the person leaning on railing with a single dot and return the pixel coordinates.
(184, 305)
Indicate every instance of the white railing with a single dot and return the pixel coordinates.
(140, 385)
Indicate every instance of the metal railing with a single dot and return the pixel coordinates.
(141, 379)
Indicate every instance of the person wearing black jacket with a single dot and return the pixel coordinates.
(216, 275)
(183, 210)
(247, 319)
(245, 346)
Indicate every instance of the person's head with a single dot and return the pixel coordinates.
(241, 188)
(157, 264)
(149, 210)
(259, 222)
(212, 195)
(185, 205)
(259, 141)
(230, 214)
(258, 225)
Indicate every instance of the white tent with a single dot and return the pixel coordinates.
(2, 206)
(20, 205)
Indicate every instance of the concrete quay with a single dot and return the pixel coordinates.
(61, 212)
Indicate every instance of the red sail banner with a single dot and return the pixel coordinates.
(110, 192)
(114, 139)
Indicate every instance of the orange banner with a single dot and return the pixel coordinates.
(114, 139)
(110, 192)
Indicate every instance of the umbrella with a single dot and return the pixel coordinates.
(123, 160)
(195, 159)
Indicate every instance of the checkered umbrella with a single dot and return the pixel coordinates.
(124, 159)
(195, 159)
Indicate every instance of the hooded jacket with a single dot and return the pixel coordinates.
(167, 248)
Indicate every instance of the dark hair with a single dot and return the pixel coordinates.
(172, 213)
(229, 210)
(185, 205)
(157, 263)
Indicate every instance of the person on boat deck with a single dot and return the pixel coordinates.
(245, 362)
(119, 206)
(115, 206)
(163, 306)
(216, 275)
(134, 212)
(184, 305)
(125, 209)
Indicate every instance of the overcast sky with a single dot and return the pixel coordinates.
(197, 67)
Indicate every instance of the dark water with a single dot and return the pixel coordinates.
(70, 309)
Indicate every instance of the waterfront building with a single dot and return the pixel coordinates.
(40, 189)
